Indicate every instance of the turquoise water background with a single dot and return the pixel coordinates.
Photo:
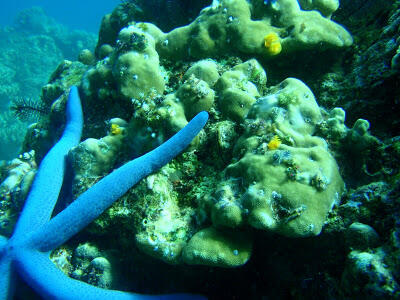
(76, 14)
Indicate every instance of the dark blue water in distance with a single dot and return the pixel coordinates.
(76, 14)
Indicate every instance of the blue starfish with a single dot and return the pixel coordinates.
(36, 234)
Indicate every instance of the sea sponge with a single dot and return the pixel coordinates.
(272, 43)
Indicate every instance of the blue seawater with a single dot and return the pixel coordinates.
(76, 14)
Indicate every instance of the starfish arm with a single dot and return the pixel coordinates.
(49, 282)
(99, 197)
(7, 276)
(48, 180)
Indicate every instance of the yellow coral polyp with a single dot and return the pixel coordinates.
(274, 143)
(116, 129)
(272, 43)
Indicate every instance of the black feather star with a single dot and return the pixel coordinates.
(27, 109)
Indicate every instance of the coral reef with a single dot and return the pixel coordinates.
(367, 89)
(371, 268)
(284, 163)
(14, 189)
